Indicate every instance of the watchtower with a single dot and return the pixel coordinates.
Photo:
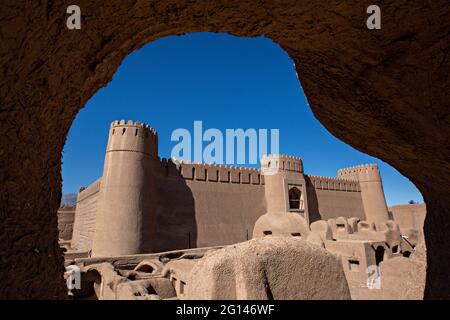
(372, 194)
(285, 187)
(125, 223)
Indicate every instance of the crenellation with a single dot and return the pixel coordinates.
(336, 184)
(282, 162)
(132, 137)
(224, 174)
(235, 175)
(245, 176)
(131, 124)
(201, 172)
(219, 173)
(351, 171)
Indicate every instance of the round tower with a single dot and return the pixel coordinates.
(372, 193)
(124, 221)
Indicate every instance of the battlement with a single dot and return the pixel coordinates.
(133, 137)
(337, 184)
(138, 125)
(358, 168)
(213, 172)
(282, 162)
(360, 172)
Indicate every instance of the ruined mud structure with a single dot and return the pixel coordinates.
(384, 92)
(143, 204)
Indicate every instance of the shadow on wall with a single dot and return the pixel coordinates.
(175, 214)
(313, 203)
(329, 198)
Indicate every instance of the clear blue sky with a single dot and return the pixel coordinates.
(225, 81)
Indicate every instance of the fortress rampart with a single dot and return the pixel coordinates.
(330, 198)
(220, 173)
(143, 203)
(196, 201)
(85, 216)
(362, 172)
(337, 184)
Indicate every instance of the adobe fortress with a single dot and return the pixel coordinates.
(155, 212)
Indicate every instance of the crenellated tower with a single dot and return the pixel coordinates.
(285, 187)
(124, 223)
(372, 193)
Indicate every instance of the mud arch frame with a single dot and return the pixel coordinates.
(385, 92)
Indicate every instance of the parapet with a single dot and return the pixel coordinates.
(364, 172)
(337, 184)
(215, 172)
(282, 162)
(132, 136)
(130, 123)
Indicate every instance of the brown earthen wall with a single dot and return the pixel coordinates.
(226, 212)
(332, 198)
(206, 205)
(190, 213)
(409, 216)
(85, 215)
(329, 204)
